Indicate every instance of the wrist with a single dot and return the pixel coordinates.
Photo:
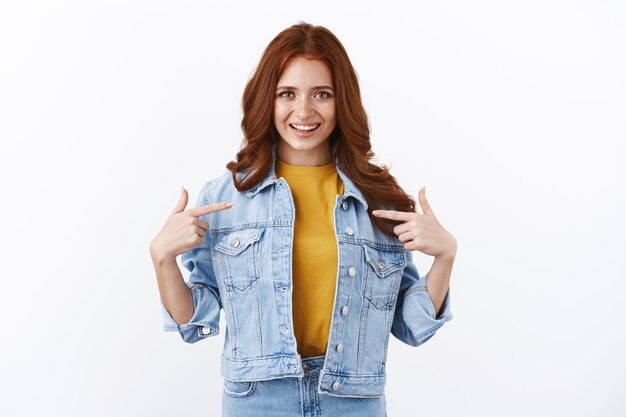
(446, 257)
(449, 254)
(159, 258)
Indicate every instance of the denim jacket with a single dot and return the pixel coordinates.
(244, 267)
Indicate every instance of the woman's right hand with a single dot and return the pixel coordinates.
(183, 229)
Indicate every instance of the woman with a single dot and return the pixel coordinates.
(287, 242)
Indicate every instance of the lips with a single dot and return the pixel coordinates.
(304, 130)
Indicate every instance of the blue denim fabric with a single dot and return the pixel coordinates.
(295, 397)
(244, 268)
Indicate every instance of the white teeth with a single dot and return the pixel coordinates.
(303, 127)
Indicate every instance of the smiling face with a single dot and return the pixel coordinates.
(304, 112)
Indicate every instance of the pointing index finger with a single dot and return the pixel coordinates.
(392, 214)
(209, 208)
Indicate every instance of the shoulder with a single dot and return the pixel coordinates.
(218, 188)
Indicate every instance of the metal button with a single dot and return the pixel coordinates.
(344, 310)
(381, 264)
(206, 330)
(352, 271)
(349, 230)
(339, 347)
(344, 205)
(336, 385)
(235, 243)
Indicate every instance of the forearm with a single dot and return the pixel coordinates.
(438, 280)
(175, 293)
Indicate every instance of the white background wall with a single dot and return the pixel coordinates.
(511, 113)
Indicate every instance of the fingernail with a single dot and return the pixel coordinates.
(229, 204)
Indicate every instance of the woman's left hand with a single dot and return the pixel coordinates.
(422, 232)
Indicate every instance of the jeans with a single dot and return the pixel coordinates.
(294, 397)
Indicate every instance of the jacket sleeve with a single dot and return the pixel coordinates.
(204, 289)
(414, 320)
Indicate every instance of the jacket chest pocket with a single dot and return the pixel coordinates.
(238, 257)
(384, 270)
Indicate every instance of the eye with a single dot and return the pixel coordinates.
(325, 92)
(281, 94)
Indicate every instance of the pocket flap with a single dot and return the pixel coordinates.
(385, 261)
(235, 242)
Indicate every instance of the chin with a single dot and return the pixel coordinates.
(304, 148)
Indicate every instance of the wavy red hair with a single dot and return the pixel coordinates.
(350, 140)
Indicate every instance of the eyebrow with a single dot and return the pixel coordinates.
(317, 87)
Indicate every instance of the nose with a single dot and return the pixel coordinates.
(304, 107)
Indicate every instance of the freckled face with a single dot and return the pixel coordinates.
(304, 112)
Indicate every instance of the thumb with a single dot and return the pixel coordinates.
(182, 202)
(423, 202)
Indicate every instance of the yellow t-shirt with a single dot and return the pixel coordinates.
(314, 266)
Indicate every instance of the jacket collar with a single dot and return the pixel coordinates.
(349, 189)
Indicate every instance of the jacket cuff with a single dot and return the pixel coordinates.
(205, 320)
(414, 321)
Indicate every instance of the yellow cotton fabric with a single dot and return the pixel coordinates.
(314, 261)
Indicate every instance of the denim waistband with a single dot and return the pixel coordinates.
(312, 365)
